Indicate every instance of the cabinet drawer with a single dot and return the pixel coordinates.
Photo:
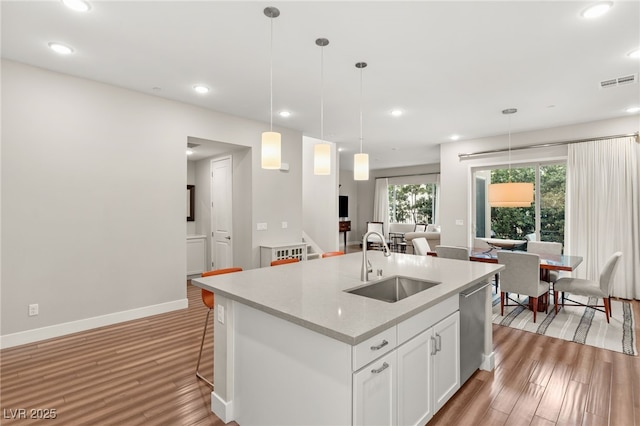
(373, 347)
(425, 319)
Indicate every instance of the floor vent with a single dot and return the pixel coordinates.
(620, 81)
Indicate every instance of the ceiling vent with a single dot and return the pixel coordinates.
(620, 81)
(192, 145)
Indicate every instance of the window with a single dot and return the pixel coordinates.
(545, 217)
(412, 203)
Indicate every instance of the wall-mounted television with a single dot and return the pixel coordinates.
(343, 206)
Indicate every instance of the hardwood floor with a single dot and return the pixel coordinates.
(143, 372)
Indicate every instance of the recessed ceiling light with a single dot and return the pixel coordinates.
(454, 137)
(77, 5)
(201, 89)
(60, 48)
(340, 149)
(635, 54)
(285, 114)
(597, 9)
(396, 112)
(633, 109)
(189, 152)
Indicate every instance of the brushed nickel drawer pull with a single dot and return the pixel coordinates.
(381, 369)
(380, 346)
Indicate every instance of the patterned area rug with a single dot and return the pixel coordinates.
(574, 323)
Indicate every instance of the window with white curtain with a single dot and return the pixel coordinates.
(413, 199)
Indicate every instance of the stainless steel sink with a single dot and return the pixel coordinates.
(393, 289)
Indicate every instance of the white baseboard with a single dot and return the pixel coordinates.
(222, 408)
(35, 335)
(488, 362)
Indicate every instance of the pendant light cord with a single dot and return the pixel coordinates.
(322, 93)
(360, 110)
(271, 77)
(509, 148)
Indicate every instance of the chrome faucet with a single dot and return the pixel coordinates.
(366, 265)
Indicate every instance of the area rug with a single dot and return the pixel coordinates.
(575, 323)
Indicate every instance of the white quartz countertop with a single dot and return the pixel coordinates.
(311, 293)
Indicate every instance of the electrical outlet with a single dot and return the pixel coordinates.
(221, 314)
(33, 309)
(285, 225)
(261, 226)
(459, 222)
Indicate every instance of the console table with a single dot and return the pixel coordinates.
(345, 226)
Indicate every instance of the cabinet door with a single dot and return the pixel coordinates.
(414, 380)
(446, 361)
(374, 392)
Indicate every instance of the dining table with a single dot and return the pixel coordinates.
(548, 262)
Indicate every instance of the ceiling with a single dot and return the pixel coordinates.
(451, 67)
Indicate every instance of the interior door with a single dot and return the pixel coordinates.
(221, 213)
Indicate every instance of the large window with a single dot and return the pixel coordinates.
(412, 203)
(545, 217)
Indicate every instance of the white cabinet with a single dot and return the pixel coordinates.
(374, 392)
(196, 254)
(282, 251)
(415, 396)
(446, 360)
(409, 384)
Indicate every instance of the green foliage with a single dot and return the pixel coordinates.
(411, 203)
(515, 223)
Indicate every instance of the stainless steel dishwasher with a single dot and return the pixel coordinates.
(472, 319)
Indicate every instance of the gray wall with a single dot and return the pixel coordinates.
(93, 193)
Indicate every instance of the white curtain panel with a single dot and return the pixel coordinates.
(603, 210)
(381, 203)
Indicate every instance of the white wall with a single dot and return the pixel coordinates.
(320, 199)
(349, 187)
(93, 182)
(456, 175)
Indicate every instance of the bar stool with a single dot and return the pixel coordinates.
(332, 253)
(208, 300)
(284, 261)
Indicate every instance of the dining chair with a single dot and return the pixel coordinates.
(421, 246)
(452, 252)
(332, 253)
(546, 247)
(374, 240)
(208, 300)
(521, 276)
(600, 289)
(284, 261)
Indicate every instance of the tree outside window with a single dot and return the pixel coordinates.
(412, 203)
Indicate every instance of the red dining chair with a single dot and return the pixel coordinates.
(332, 253)
(208, 300)
(284, 261)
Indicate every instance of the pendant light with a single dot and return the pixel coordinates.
(510, 194)
(271, 157)
(361, 160)
(322, 150)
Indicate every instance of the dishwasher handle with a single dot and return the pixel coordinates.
(467, 295)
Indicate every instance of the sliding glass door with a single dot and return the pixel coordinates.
(543, 221)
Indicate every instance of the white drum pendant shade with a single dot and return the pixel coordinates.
(322, 159)
(361, 166)
(271, 150)
(511, 194)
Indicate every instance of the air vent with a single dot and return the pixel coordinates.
(627, 79)
(192, 145)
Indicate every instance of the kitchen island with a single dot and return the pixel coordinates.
(291, 346)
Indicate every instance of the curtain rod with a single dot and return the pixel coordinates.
(545, 145)
(414, 174)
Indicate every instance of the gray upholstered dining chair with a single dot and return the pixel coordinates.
(452, 252)
(421, 246)
(546, 247)
(522, 276)
(600, 289)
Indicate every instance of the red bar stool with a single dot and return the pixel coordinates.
(284, 261)
(332, 253)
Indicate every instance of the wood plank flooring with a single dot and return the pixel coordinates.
(143, 372)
